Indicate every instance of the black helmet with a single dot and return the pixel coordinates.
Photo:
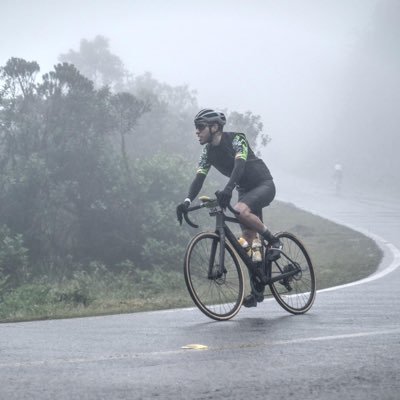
(209, 116)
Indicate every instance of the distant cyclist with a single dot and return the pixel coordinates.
(338, 177)
(230, 154)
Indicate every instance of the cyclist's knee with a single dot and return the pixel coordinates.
(244, 213)
(242, 208)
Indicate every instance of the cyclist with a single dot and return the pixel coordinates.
(337, 177)
(230, 154)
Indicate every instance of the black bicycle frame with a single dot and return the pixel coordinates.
(224, 233)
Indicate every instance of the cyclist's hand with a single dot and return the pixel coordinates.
(182, 209)
(224, 197)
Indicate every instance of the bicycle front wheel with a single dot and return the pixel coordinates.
(216, 290)
(296, 292)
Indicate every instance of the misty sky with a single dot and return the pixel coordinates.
(280, 59)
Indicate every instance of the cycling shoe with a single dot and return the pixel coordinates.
(274, 250)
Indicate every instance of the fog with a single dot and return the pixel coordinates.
(298, 64)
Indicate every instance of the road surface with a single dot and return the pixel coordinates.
(347, 346)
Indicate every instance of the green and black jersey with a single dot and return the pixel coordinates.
(222, 157)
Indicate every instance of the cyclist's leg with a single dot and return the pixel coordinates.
(250, 205)
(248, 233)
(255, 199)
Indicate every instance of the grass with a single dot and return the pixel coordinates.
(339, 254)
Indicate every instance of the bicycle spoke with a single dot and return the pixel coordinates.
(216, 290)
(294, 293)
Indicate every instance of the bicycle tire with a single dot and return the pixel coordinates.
(220, 298)
(296, 294)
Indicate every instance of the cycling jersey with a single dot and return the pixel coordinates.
(222, 157)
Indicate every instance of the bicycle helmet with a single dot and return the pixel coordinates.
(209, 116)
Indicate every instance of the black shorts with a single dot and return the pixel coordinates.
(259, 197)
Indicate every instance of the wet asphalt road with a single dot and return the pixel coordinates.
(347, 346)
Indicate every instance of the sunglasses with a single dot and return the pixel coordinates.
(200, 126)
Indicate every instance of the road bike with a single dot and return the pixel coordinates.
(215, 279)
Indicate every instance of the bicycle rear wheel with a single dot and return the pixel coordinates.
(217, 292)
(295, 293)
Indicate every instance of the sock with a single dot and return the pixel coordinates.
(268, 236)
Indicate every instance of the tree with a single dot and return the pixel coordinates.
(13, 258)
(167, 127)
(88, 174)
(18, 110)
(95, 61)
(127, 110)
(167, 124)
(19, 78)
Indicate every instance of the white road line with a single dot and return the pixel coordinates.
(338, 337)
(144, 355)
(382, 243)
(380, 273)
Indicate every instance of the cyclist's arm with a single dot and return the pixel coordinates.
(202, 171)
(196, 186)
(237, 173)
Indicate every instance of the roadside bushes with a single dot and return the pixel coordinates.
(13, 259)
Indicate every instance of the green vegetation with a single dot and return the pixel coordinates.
(92, 164)
(97, 291)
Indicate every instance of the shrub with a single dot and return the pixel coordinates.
(13, 258)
